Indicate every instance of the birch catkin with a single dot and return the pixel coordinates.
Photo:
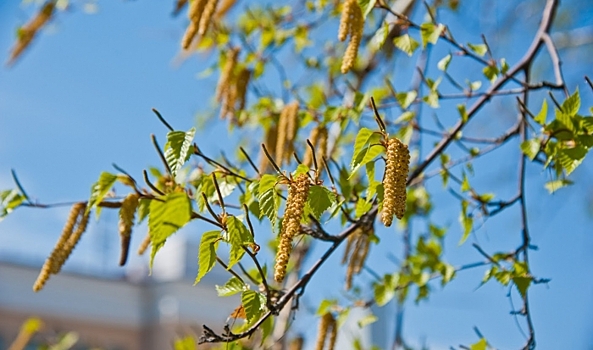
(144, 245)
(207, 15)
(29, 30)
(394, 181)
(196, 9)
(327, 326)
(351, 23)
(287, 129)
(227, 73)
(291, 223)
(66, 243)
(127, 212)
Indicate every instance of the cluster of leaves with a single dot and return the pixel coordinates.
(274, 38)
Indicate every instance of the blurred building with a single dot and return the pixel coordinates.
(128, 311)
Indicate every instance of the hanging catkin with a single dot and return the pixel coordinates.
(270, 142)
(144, 245)
(66, 243)
(291, 223)
(327, 327)
(127, 213)
(196, 9)
(207, 15)
(287, 129)
(27, 32)
(351, 23)
(224, 7)
(226, 74)
(394, 181)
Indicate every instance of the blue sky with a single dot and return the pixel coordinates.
(80, 100)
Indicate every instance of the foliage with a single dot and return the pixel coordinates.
(362, 111)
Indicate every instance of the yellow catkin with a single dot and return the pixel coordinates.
(327, 326)
(62, 249)
(224, 7)
(196, 9)
(144, 245)
(270, 142)
(73, 239)
(394, 181)
(241, 88)
(281, 138)
(355, 29)
(207, 15)
(127, 212)
(291, 223)
(333, 335)
(226, 73)
(296, 344)
(292, 110)
(29, 30)
(346, 19)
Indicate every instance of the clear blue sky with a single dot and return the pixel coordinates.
(81, 99)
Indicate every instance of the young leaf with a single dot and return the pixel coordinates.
(479, 49)
(9, 200)
(406, 43)
(252, 305)
(480, 345)
(465, 186)
(207, 253)
(553, 186)
(231, 287)
(166, 216)
(491, 73)
(319, 200)
(178, 148)
(268, 198)
(444, 63)
(466, 222)
(366, 6)
(522, 284)
(379, 38)
(405, 99)
(540, 118)
(367, 320)
(531, 148)
(572, 104)
(99, 190)
(362, 138)
(238, 236)
(430, 33)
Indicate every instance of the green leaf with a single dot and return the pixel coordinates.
(406, 43)
(540, 118)
(10, 200)
(231, 287)
(252, 304)
(167, 215)
(405, 117)
(266, 328)
(378, 39)
(479, 49)
(366, 6)
(325, 306)
(238, 236)
(466, 222)
(465, 186)
(99, 190)
(362, 138)
(405, 99)
(522, 284)
(480, 345)
(178, 148)
(385, 290)
(301, 169)
(504, 66)
(555, 185)
(444, 63)
(207, 253)
(531, 148)
(268, 198)
(462, 112)
(185, 343)
(430, 33)
(432, 99)
(491, 73)
(320, 199)
(370, 154)
(572, 104)
(367, 320)
(362, 207)
(571, 158)
(143, 209)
